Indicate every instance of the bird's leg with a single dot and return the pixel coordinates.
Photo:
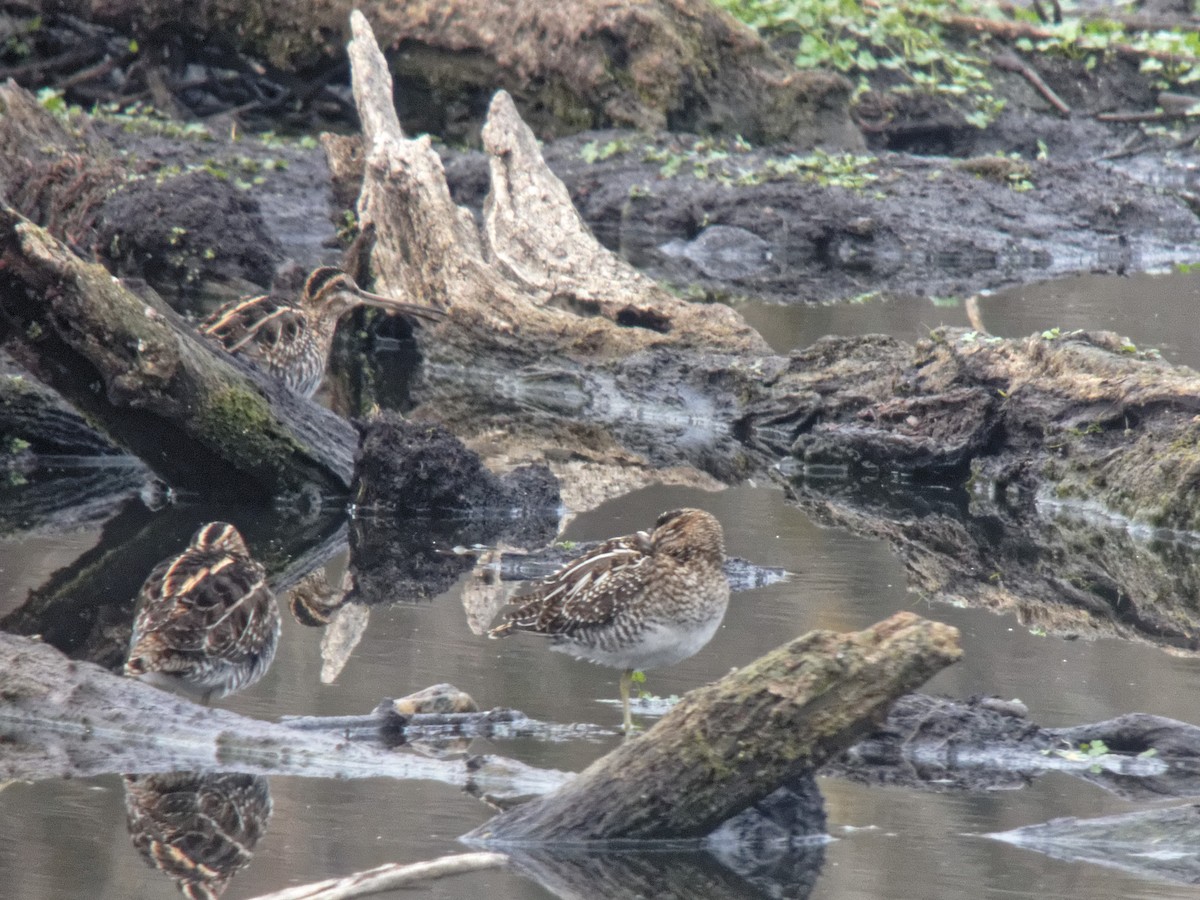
(626, 681)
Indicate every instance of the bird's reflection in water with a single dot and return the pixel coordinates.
(200, 829)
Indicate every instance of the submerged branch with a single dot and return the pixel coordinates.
(388, 877)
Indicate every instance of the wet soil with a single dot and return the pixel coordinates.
(940, 207)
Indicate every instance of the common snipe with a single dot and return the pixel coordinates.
(290, 337)
(206, 621)
(642, 601)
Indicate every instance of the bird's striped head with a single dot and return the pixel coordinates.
(222, 537)
(330, 291)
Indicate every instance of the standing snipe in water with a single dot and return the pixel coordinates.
(206, 621)
(290, 337)
(642, 601)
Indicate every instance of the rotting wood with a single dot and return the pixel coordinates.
(731, 743)
(194, 416)
(61, 718)
(531, 352)
(535, 357)
(50, 175)
(506, 289)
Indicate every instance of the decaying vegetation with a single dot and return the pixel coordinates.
(551, 340)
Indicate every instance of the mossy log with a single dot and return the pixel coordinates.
(683, 64)
(196, 417)
(728, 745)
(798, 706)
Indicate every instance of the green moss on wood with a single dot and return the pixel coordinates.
(239, 425)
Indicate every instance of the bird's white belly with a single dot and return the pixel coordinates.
(656, 647)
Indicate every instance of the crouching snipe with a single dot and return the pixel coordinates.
(206, 621)
(642, 601)
(290, 337)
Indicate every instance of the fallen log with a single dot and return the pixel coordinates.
(198, 418)
(730, 744)
(65, 719)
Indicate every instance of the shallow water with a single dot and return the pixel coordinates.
(68, 839)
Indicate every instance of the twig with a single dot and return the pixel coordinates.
(1134, 144)
(1010, 31)
(99, 70)
(1154, 116)
(388, 877)
(1010, 62)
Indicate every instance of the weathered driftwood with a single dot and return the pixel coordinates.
(388, 877)
(505, 288)
(537, 337)
(584, 63)
(194, 416)
(801, 704)
(1156, 843)
(63, 719)
(730, 744)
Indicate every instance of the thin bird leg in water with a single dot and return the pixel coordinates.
(626, 681)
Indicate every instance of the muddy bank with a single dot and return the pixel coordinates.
(704, 216)
(937, 206)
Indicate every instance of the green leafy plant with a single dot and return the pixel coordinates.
(903, 36)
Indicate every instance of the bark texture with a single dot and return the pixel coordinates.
(732, 743)
(191, 413)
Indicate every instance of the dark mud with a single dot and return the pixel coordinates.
(420, 494)
(922, 225)
(933, 211)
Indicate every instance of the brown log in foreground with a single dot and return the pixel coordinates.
(730, 744)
